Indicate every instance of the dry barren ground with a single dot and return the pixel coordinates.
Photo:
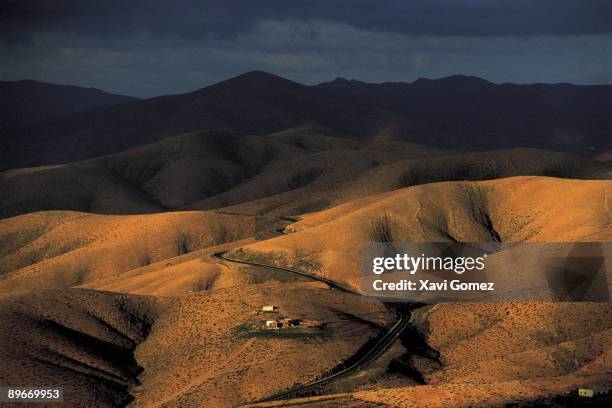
(141, 310)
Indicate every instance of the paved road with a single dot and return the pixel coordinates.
(329, 282)
(377, 349)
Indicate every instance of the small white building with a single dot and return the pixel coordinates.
(272, 324)
(593, 392)
(268, 308)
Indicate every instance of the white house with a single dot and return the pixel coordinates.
(272, 324)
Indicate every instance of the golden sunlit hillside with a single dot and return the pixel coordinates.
(537, 209)
(63, 249)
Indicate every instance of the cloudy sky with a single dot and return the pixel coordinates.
(149, 48)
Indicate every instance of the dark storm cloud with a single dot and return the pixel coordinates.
(197, 19)
(151, 47)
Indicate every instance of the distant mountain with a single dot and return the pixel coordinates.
(486, 115)
(456, 112)
(252, 103)
(25, 102)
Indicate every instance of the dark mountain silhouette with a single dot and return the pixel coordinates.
(25, 102)
(486, 115)
(455, 112)
(252, 103)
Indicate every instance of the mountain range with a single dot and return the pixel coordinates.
(455, 112)
(479, 113)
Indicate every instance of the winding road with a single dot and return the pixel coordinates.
(368, 357)
(376, 351)
(328, 282)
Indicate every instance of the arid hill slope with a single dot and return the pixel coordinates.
(116, 272)
(298, 170)
(506, 353)
(540, 209)
(192, 272)
(206, 348)
(185, 169)
(347, 175)
(203, 341)
(64, 249)
(209, 348)
(81, 340)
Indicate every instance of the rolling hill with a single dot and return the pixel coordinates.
(495, 354)
(514, 209)
(498, 354)
(209, 349)
(139, 253)
(349, 175)
(163, 175)
(189, 314)
(297, 170)
(176, 172)
(206, 347)
(60, 249)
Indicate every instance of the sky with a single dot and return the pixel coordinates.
(149, 48)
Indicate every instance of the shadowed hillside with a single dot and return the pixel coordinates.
(26, 102)
(252, 103)
(163, 175)
(552, 116)
(294, 171)
(81, 340)
(350, 174)
(185, 169)
(454, 112)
